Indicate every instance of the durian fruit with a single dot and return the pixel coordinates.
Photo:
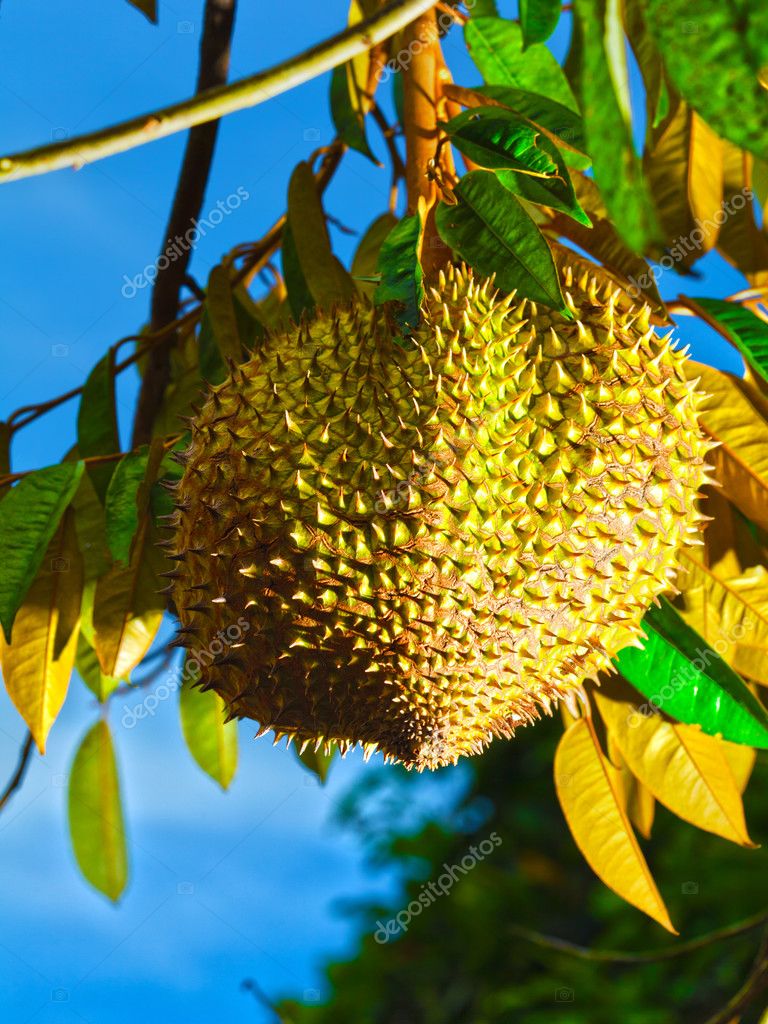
(426, 541)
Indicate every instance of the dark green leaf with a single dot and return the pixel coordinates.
(299, 296)
(562, 125)
(366, 258)
(496, 47)
(219, 304)
(29, 515)
(496, 138)
(95, 815)
(681, 674)
(97, 432)
(212, 366)
(211, 740)
(128, 490)
(556, 192)
(716, 55)
(87, 665)
(538, 19)
(604, 96)
(401, 273)
(327, 280)
(317, 762)
(746, 332)
(347, 111)
(491, 231)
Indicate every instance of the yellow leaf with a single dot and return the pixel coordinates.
(741, 760)
(38, 664)
(638, 800)
(685, 769)
(598, 822)
(127, 610)
(731, 414)
(740, 240)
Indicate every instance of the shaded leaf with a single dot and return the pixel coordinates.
(219, 303)
(299, 296)
(593, 808)
(95, 813)
(90, 523)
(649, 62)
(684, 677)
(491, 231)
(128, 494)
(685, 769)
(87, 665)
(604, 97)
(211, 740)
(316, 761)
(538, 19)
(327, 280)
(496, 47)
(715, 54)
(38, 664)
(745, 331)
(740, 240)
(365, 260)
(97, 432)
(637, 799)
(29, 515)
(400, 270)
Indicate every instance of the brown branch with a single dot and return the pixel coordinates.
(756, 983)
(21, 770)
(187, 205)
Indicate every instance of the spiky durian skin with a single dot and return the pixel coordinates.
(427, 541)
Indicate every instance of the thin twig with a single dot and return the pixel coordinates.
(646, 956)
(755, 983)
(21, 770)
(216, 103)
(215, 46)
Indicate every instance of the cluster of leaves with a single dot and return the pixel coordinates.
(550, 160)
(528, 933)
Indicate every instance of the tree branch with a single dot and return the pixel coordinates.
(21, 770)
(216, 103)
(213, 69)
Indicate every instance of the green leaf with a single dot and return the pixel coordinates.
(556, 192)
(95, 814)
(29, 515)
(496, 47)
(716, 55)
(212, 366)
(299, 296)
(603, 93)
(97, 432)
(134, 476)
(538, 19)
(316, 761)
(211, 740)
(366, 256)
(497, 139)
(147, 8)
(401, 273)
(87, 665)
(491, 231)
(561, 125)
(347, 110)
(747, 332)
(684, 677)
(219, 303)
(327, 280)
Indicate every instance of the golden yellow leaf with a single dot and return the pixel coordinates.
(639, 802)
(741, 760)
(38, 664)
(740, 240)
(593, 808)
(731, 415)
(685, 769)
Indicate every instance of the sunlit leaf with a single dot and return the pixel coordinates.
(685, 769)
(212, 741)
(538, 19)
(38, 664)
(95, 813)
(128, 494)
(715, 54)
(637, 799)
(29, 515)
(326, 278)
(97, 432)
(400, 270)
(604, 98)
(683, 676)
(496, 47)
(593, 808)
(491, 231)
(493, 137)
(746, 332)
(556, 192)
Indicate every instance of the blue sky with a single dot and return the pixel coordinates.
(224, 886)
